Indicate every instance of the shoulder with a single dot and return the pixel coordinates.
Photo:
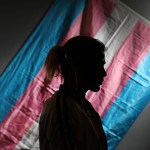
(50, 104)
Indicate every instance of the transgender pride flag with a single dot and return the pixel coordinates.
(124, 93)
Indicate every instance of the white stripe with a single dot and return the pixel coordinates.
(115, 30)
(133, 12)
(30, 141)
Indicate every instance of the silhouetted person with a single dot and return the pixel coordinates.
(68, 120)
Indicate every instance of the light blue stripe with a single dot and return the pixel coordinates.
(26, 64)
(129, 104)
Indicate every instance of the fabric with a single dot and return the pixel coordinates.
(124, 93)
(80, 127)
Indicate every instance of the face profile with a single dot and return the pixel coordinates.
(95, 74)
(86, 59)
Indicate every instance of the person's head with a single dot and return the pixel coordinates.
(81, 62)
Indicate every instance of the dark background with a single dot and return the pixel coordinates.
(18, 18)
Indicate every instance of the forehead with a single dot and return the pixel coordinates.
(99, 56)
(96, 61)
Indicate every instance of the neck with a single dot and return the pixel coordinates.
(73, 85)
(73, 91)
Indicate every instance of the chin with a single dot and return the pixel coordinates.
(95, 89)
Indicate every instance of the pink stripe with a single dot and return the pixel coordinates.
(122, 67)
(95, 14)
(26, 110)
(18, 122)
(91, 19)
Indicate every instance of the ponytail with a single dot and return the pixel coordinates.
(52, 65)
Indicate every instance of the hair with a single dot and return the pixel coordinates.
(77, 51)
(52, 65)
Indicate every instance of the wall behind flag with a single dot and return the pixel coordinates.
(26, 31)
(18, 20)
